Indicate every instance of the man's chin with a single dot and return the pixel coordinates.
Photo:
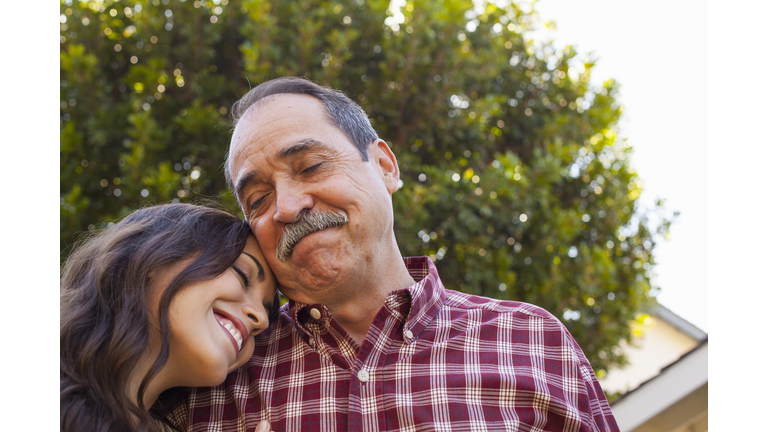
(315, 264)
(318, 250)
(306, 252)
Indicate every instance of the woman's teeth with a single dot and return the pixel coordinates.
(235, 334)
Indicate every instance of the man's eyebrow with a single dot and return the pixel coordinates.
(260, 276)
(300, 147)
(290, 150)
(244, 182)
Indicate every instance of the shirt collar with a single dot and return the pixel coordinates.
(426, 297)
(427, 294)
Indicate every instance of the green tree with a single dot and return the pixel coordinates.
(514, 179)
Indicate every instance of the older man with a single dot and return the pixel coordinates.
(370, 340)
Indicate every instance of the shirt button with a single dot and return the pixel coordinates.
(312, 342)
(315, 313)
(363, 375)
(408, 334)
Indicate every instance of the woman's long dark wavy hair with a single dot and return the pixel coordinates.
(105, 324)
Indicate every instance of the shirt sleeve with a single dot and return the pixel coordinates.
(599, 415)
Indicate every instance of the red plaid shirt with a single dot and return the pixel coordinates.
(433, 359)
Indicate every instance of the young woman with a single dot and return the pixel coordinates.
(169, 297)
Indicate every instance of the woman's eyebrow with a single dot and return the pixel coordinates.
(260, 276)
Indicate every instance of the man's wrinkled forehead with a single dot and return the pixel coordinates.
(249, 128)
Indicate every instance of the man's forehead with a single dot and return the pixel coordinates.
(281, 110)
(283, 105)
(281, 113)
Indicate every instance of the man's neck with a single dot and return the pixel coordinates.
(356, 312)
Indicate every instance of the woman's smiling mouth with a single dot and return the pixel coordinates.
(232, 329)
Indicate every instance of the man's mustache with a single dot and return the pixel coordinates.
(309, 222)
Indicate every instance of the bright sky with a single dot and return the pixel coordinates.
(657, 51)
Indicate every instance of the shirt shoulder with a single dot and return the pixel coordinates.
(516, 317)
(459, 300)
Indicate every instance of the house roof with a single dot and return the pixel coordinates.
(661, 372)
(679, 323)
(674, 382)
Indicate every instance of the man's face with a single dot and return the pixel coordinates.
(286, 159)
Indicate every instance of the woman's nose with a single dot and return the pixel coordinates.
(257, 316)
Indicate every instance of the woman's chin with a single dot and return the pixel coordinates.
(243, 357)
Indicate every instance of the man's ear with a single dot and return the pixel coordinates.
(382, 155)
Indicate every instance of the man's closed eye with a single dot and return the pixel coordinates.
(311, 169)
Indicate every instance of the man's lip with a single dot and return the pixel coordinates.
(238, 324)
(293, 248)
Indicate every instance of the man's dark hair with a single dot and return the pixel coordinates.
(342, 111)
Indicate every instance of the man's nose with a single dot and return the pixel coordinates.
(292, 200)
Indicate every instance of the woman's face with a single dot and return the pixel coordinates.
(213, 322)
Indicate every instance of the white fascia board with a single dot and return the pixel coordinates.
(679, 323)
(654, 396)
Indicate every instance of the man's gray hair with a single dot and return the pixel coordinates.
(342, 111)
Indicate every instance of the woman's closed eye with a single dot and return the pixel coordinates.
(244, 277)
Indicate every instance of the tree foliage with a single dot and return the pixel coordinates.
(514, 179)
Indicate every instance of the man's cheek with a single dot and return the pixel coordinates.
(261, 232)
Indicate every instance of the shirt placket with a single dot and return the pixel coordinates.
(365, 366)
(367, 379)
(321, 334)
(325, 336)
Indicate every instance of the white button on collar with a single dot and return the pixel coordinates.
(408, 334)
(315, 313)
(363, 375)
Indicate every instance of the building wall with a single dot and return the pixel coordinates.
(660, 344)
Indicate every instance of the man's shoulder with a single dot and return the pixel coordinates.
(512, 316)
(460, 300)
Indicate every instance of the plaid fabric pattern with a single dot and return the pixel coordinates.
(433, 360)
